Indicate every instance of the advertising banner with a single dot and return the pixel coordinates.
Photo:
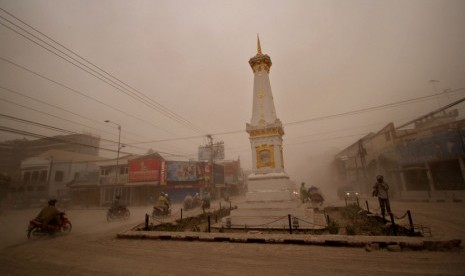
(205, 152)
(230, 172)
(181, 171)
(163, 173)
(143, 171)
(442, 146)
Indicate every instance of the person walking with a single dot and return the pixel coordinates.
(303, 193)
(381, 190)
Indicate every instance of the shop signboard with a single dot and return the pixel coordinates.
(143, 171)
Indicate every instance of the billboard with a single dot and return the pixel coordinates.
(441, 146)
(205, 152)
(182, 171)
(143, 171)
(231, 171)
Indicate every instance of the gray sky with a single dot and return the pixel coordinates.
(191, 57)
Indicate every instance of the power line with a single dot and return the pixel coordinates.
(135, 95)
(348, 113)
(40, 136)
(62, 109)
(36, 135)
(82, 94)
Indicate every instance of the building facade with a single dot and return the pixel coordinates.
(423, 159)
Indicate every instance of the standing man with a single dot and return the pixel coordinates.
(381, 191)
(303, 193)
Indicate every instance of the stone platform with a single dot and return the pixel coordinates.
(273, 215)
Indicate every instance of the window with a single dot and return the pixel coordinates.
(123, 170)
(43, 176)
(35, 175)
(104, 172)
(76, 175)
(59, 175)
(387, 135)
(27, 176)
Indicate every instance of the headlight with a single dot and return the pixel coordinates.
(347, 193)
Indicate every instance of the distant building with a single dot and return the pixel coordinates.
(50, 174)
(423, 162)
(14, 151)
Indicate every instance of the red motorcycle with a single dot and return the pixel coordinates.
(36, 227)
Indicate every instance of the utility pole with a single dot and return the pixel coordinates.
(119, 148)
(212, 182)
(49, 175)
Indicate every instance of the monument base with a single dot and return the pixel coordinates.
(269, 202)
(274, 215)
(269, 187)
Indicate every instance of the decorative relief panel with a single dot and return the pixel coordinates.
(265, 156)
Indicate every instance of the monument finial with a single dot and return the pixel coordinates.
(259, 48)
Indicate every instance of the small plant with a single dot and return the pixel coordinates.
(350, 229)
(333, 227)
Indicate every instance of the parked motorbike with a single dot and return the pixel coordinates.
(37, 229)
(118, 213)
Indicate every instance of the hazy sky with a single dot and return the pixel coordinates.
(191, 59)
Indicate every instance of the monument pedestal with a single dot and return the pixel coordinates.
(268, 206)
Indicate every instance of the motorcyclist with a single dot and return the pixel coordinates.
(116, 206)
(49, 215)
(163, 202)
(206, 200)
(197, 199)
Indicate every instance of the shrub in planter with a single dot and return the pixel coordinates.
(333, 227)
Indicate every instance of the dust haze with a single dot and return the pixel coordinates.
(341, 69)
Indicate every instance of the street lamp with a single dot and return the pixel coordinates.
(119, 148)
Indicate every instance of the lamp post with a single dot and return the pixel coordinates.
(119, 148)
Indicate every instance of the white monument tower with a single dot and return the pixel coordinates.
(268, 200)
(268, 181)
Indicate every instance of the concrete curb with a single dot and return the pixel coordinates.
(391, 243)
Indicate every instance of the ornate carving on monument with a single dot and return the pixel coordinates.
(265, 132)
(265, 156)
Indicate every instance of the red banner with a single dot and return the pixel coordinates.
(143, 171)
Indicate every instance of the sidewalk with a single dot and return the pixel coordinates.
(392, 243)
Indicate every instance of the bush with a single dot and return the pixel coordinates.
(333, 227)
(350, 229)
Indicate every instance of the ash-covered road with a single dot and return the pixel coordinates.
(93, 249)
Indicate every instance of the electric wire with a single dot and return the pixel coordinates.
(62, 109)
(40, 136)
(55, 128)
(349, 113)
(137, 96)
(83, 94)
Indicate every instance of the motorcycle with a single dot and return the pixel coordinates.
(118, 213)
(191, 204)
(158, 211)
(37, 229)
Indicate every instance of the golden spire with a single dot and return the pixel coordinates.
(259, 48)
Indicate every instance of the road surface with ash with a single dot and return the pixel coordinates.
(93, 249)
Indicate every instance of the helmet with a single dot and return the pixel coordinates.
(379, 178)
(52, 202)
